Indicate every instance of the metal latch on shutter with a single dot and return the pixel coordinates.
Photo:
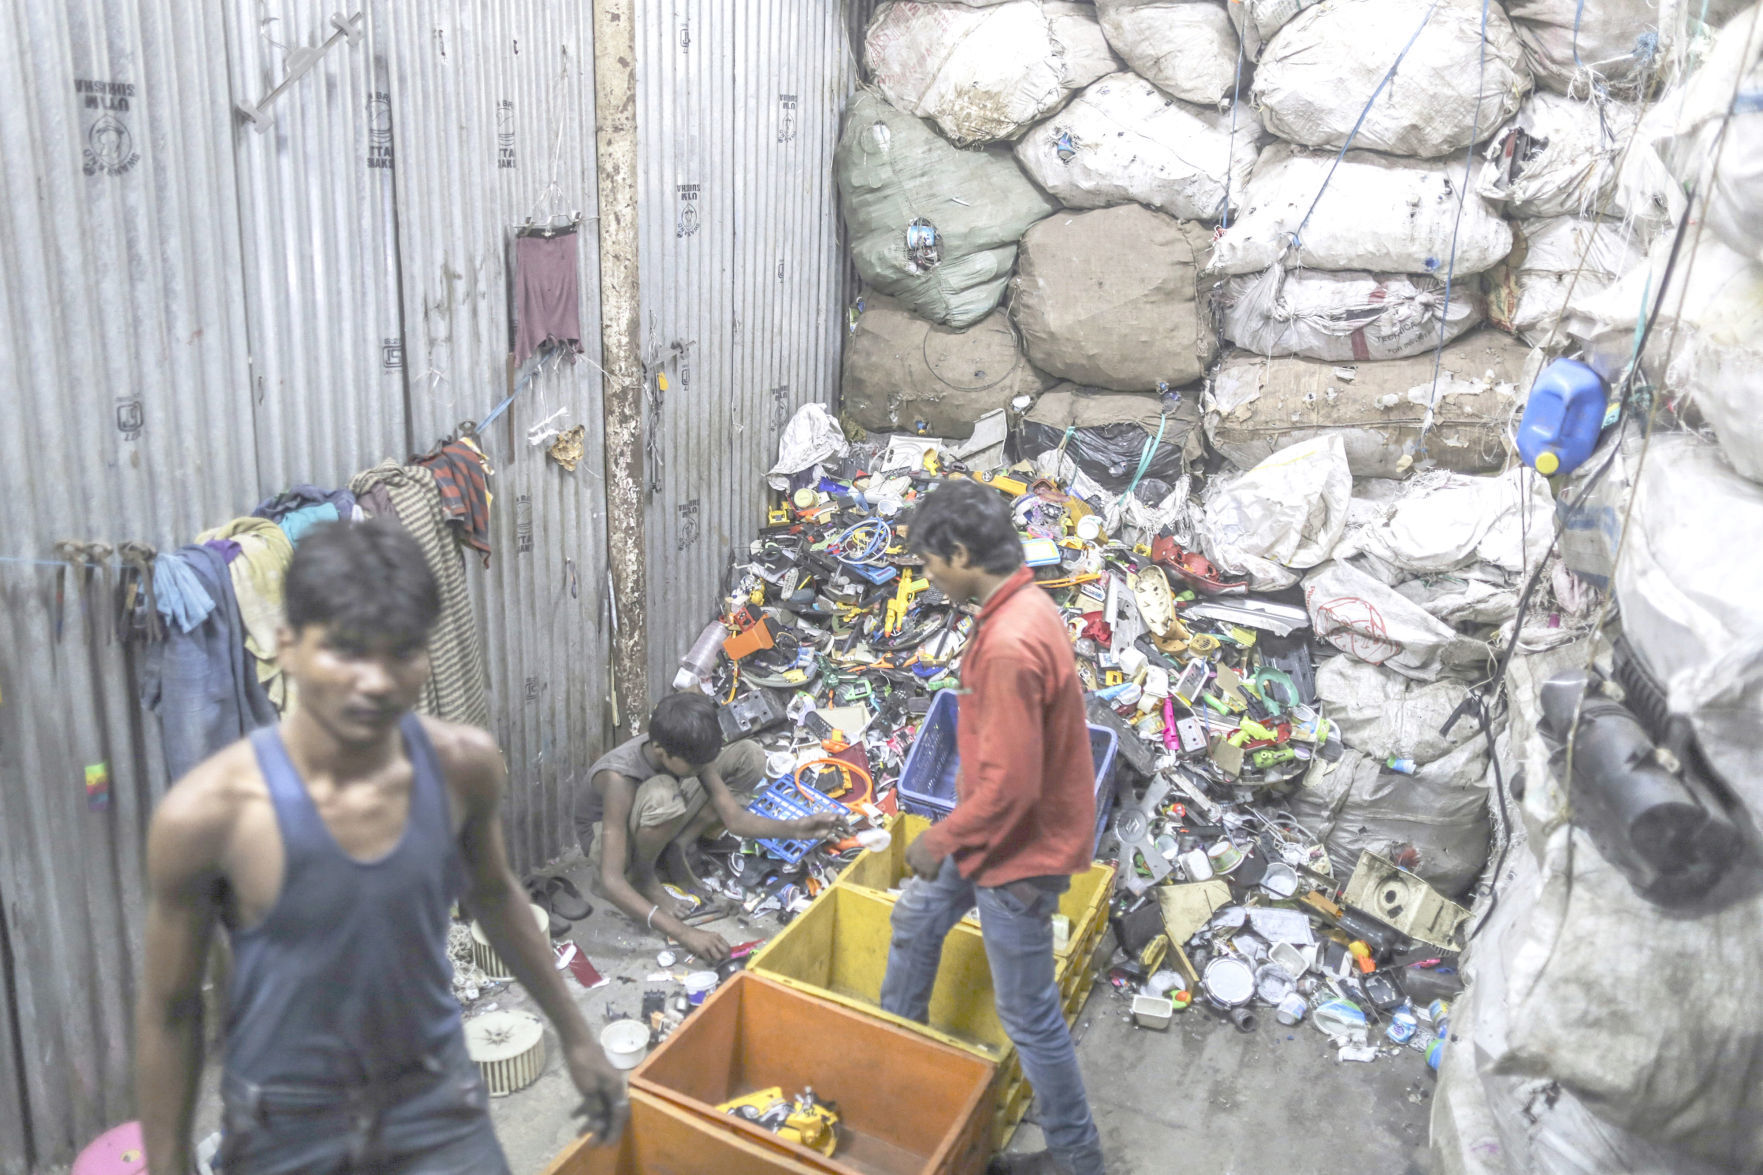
(300, 62)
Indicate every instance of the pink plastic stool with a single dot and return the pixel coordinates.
(118, 1151)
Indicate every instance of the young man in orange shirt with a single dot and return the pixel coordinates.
(1024, 819)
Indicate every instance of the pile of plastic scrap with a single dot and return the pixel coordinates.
(830, 647)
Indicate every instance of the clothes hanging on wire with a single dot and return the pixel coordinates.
(200, 681)
(302, 496)
(462, 475)
(257, 573)
(547, 302)
(455, 689)
(295, 523)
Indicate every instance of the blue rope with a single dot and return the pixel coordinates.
(1146, 456)
(1438, 353)
(1297, 237)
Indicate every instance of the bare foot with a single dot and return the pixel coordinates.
(650, 887)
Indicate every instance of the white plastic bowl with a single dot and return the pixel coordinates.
(625, 1042)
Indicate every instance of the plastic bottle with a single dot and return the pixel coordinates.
(1562, 418)
(1404, 766)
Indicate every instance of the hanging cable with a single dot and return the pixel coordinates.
(1297, 237)
(1456, 228)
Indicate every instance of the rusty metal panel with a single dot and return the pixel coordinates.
(496, 127)
(123, 343)
(315, 207)
(742, 272)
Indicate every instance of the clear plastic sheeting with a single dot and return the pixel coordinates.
(984, 73)
(1342, 316)
(1122, 140)
(1315, 77)
(1413, 204)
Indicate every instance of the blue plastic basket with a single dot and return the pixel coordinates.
(927, 781)
(783, 800)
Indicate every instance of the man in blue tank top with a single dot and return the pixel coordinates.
(330, 848)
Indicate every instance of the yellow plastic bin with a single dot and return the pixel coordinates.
(907, 1105)
(838, 950)
(1085, 903)
(663, 1140)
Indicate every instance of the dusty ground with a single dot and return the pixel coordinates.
(1200, 1097)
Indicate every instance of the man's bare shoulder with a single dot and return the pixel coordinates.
(469, 756)
(200, 811)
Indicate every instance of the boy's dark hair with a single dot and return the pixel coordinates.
(368, 581)
(964, 512)
(685, 725)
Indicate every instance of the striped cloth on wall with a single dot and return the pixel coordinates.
(456, 686)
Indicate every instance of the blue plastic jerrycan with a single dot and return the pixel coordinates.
(1563, 417)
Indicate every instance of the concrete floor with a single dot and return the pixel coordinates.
(1200, 1098)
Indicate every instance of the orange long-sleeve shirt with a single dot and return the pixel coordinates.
(1025, 798)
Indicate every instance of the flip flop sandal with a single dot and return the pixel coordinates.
(1150, 589)
(566, 901)
(539, 894)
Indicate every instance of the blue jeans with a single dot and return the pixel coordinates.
(434, 1120)
(1019, 947)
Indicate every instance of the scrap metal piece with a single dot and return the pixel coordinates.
(1133, 827)
(1405, 902)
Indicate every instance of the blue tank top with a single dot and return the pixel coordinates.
(346, 980)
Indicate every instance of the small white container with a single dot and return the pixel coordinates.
(625, 1042)
(700, 984)
(1152, 1011)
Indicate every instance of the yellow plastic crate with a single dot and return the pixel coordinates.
(838, 950)
(1085, 903)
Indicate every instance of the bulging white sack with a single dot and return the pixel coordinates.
(1343, 316)
(1553, 260)
(1412, 204)
(1316, 76)
(984, 73)
(1287, 512)
(1725, 169)
(1370, 620)
(1258, 20)
(1583, 46)
(1558, 157)
(1186, 48)
(1122, 141)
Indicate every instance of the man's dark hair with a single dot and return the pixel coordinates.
(685, 725)
(368, 581)
(965, 513)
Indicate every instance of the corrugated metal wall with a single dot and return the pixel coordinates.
(194, 314)
(741, 270)
(495, 125)
(122, 347)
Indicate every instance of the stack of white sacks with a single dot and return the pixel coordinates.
(1149, 195)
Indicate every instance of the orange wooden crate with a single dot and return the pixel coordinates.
(908, 1105)
(663, 1140)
